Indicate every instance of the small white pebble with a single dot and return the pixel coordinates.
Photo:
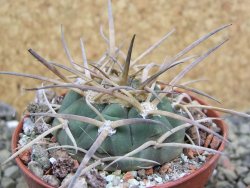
(184, 158)
(150, 178)
(133, 182)
(205, 153)
(28, 126)
(166, 177)
(52, 160)
(116, 181)
(182, 174)
(24, 140)
(142, 183)
(214, 172)
(134, 173)
(158, 179)
(109, 185)
(202, 158)
(109, 178)
(150, 183)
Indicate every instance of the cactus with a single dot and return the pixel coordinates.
(126, 138)
(116, 113)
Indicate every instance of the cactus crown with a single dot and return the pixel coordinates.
(116, 111)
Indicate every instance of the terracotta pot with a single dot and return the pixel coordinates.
(197, 179)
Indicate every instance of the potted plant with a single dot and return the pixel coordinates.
(117, 120)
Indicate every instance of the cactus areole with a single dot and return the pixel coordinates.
(125, 138)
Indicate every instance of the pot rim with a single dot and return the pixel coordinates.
(213, 159)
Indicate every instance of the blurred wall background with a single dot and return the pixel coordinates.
(36, 24)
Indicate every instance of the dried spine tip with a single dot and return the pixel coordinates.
(124, 80)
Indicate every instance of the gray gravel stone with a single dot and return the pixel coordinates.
(117, 172)
(52, 180)
(40, 155)
(237, 163)
(232, 135)
(28, 126)
(12, 172)
(8, 182)
(220, 176)
(241, 170)
(247, 179)
(141, 173)
(235, 171)
(240, 184)
(6, 111)
(20, 179)
(10, 176)
(5, 154)
(246, 161)
(36, 168)
(241, 151)
(22, 185)
(80, 182)
(229, 174)
(2, 143)
(244, 128)
(10, 127)
(224, 184)
(243, 139)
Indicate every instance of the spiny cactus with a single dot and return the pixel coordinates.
(116, 113)
(124, 139)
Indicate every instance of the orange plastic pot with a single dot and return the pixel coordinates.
(197, 179)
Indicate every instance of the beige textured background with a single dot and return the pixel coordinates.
(36, 24)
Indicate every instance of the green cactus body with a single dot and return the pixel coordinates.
(126, 138)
